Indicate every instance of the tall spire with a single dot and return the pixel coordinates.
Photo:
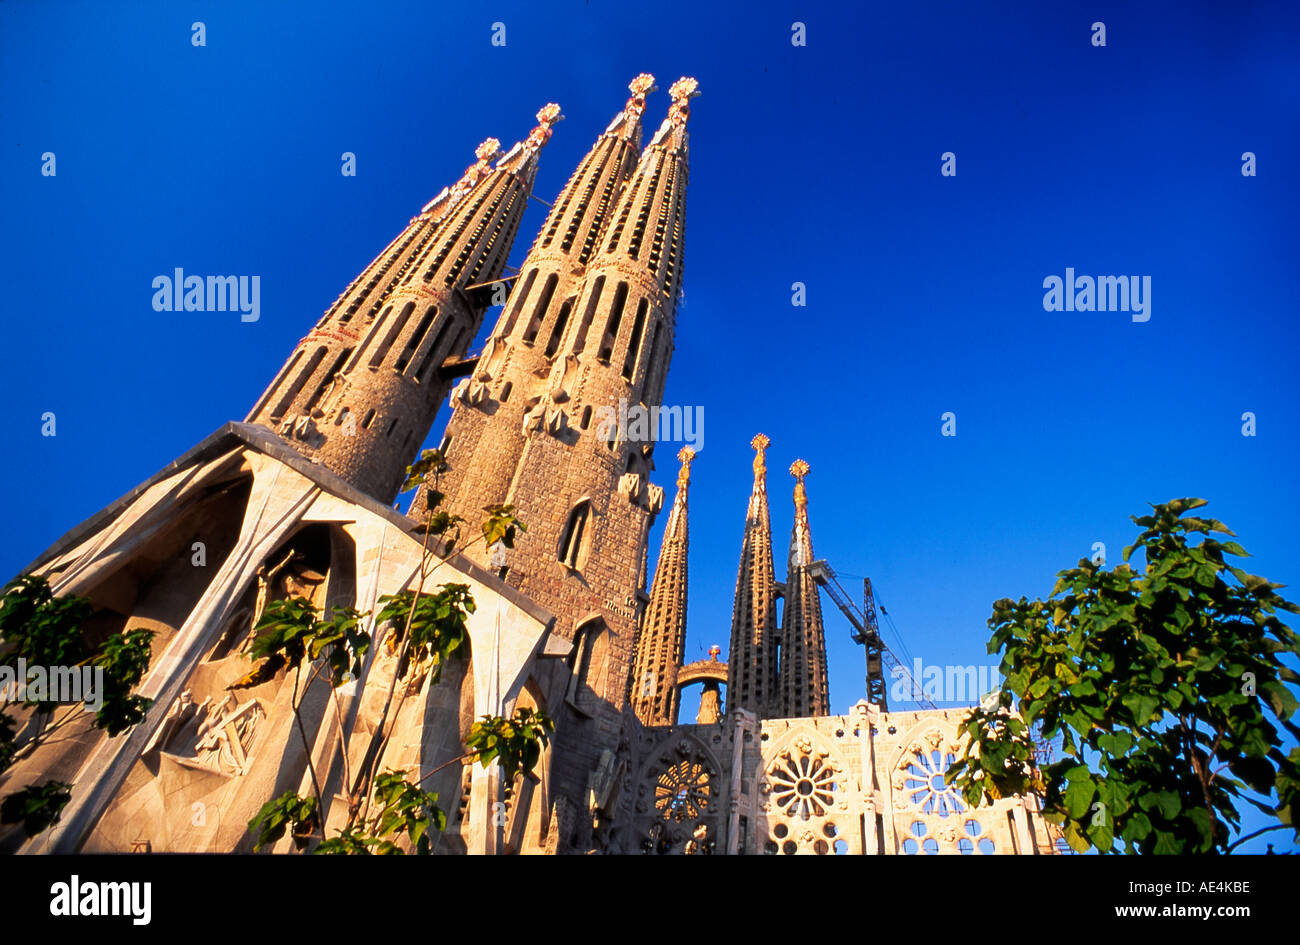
(804, 691)
(627, 123)
(752, 663)
(360, 394)
(539, 312)
(439, 206)
(589, 327)
(661, 640)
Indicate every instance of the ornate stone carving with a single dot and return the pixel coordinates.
(226, 734)
(803, 784)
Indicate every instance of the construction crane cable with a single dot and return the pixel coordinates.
(867, 632)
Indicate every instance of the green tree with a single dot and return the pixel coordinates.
(1158, 684)
(44, 630)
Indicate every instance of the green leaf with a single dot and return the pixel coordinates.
(1078, 798)
(36, 808)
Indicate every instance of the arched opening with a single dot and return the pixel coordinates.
(573, 543)
(588, 665)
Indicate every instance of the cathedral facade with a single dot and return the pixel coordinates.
(298, 501)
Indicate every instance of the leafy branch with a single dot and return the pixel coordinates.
(1156, 682)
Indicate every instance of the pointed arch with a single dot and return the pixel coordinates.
(589, 664)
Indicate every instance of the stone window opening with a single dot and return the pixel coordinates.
(382, 348)
(425, 369)
(588, 314)
(299, 382)
(356, 356)
(517, 300)
(611, 326)
(505, 391)
(588, 665)
(571, 541)
(557, 333)
(328, 380)
(539, 311)
(586, 417)
(634, 343)
(370, 418)
(417, 336)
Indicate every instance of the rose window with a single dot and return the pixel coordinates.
(683, 791)
(803, 787)
(925, 786)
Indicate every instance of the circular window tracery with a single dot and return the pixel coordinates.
(925, 786)
(683, 791)
(803, 786)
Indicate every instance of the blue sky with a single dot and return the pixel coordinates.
(818, 164)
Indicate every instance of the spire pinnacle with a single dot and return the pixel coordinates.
(627, 123)
(682, 91)
(640, 87)
(760, 444)
(547, 116)
(803, 689)
(684, 456)
(525, 152)
(486, 153)
(661, 637)
(673, 130)
(799, 469)
(751, 665)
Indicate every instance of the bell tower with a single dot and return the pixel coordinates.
(360, 392)
(588, 332)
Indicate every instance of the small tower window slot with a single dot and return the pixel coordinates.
(571, 541)
(611, 326)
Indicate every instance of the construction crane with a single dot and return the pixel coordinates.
(867, 632)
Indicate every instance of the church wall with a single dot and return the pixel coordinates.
(866, 783)
(205, 759)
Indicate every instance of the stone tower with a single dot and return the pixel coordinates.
(661, 642)
(752, 663)
(360, 392)
(588, 329)
(803, 688)
(485, 437)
